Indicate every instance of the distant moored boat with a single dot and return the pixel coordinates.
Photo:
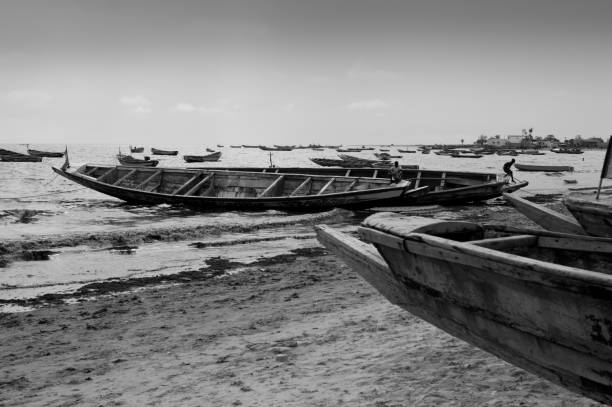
(155, 151)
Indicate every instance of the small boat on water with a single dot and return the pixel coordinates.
(220, 189)
(543, 168)
(411, 151)
(383, 149)
(349, 150)
(249, 146)
(156, 151)
(132, 161)
(235, 146)
(13, 156)
(507, 152)
(210, 150)
(219, 145)
(531, 152)
(136, 149)
(49, 154)
(276, 148)
(537, 299)
(202, 158)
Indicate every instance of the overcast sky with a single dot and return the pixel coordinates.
(302, 71)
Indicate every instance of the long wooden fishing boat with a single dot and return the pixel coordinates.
(445, 187)
(214, 189)
(594, 215)
(409, 151)
(465, 155)
(136, 149)
(543, 168)
(156, 151)
(537, 299)
(545, 217)
(566, 150)
(386, 156)
(132, 161)
(279, 148)
(13, 156)
(202, 158)
(41, 153)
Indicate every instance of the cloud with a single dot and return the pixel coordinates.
(136, 104)
(28, 98)
(372, 104)
(359, 73)
(223, 106)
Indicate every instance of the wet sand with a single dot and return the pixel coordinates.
(295, 330)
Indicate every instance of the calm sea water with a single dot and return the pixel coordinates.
(37, 207)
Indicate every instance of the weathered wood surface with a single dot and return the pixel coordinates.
(594, 215)
(551, 319)
(545, 217)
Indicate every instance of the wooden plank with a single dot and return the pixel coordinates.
(331, 181)
(506, 242)
(545, 217)
(199, 185)
(106, 174)
(302, 185)
(348, 172)
(186, 184)
(271, 186)
(375, 174)
(581, 245)
(418, 180)
(90, 171)
(152, 187)
(443, 180)
(146, 181)
(352, 184)
(124, 177)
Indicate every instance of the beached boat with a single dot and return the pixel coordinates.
(156, 151)
(210, 150)
(219, 145)
(465, 155)
(214, 189)
(444, 187)
(543, 168)
(132, 161)
(202, 158)
(545, 217)
(235, 146)
(411, 151)
(386, 156)
(13, 156)
(136, 149)
(595, 215)
(349, 150)
(537, 299)
(566, 150)
(249, 146)
(40, 153)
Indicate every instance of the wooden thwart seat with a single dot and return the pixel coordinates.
(187, 184)
(199, 185)
(351, 185)
(301, 186)
(146, 181)
(106, 174)
(331, 181)
(124, 177)
(271, 186)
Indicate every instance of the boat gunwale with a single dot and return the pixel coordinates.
(539, 268)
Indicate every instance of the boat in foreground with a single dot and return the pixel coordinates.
(595, 215)
(214, 189)
(445, 187)
(537, 299)
(156, 151)
(544, 168)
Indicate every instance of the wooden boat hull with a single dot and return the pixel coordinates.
(136, 149)
(551, 320)
(543, 168)
(179, 181)
(155, 151)
(445, 187)
(49, 154)
(20, 158)
(595, 216)
(547, 218)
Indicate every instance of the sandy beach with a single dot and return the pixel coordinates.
(299, 329)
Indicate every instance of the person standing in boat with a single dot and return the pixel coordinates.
(395, 173)
(508, 171)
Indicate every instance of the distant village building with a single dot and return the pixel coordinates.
(593, 142)
(496, 141)
(515, 139)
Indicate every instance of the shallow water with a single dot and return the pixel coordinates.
(39, 210)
